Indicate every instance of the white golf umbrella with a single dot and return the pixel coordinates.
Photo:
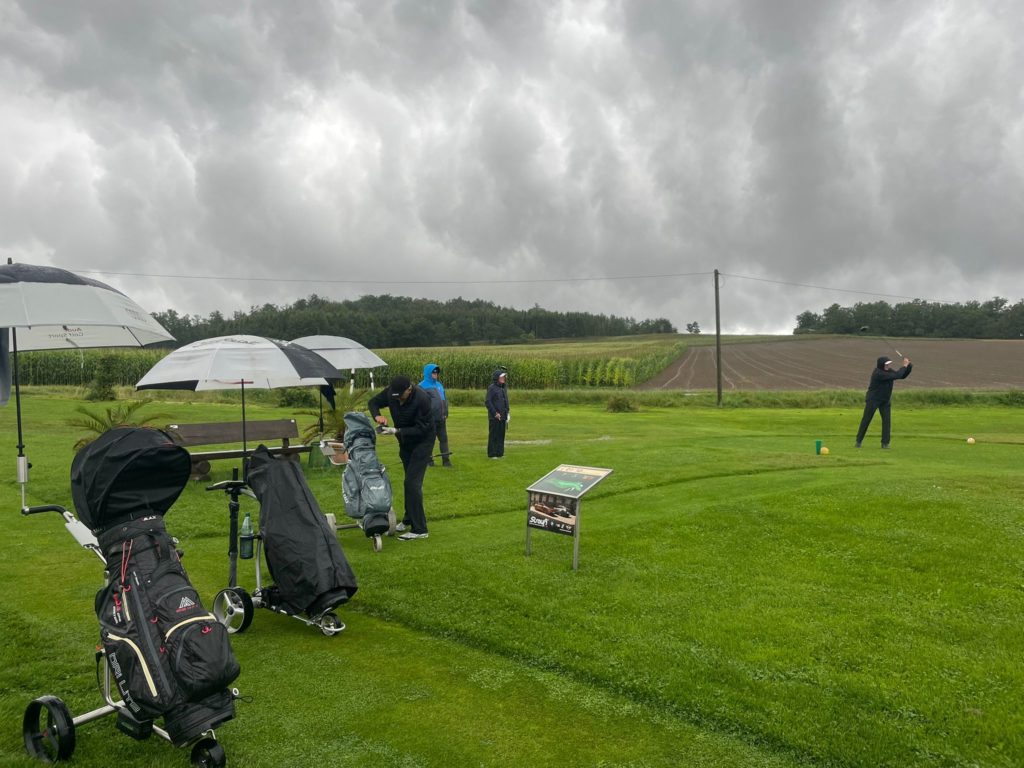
(52, 308)
(237, 362)
(343, 353)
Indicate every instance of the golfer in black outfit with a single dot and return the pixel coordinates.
(879, 396)
(414, 427)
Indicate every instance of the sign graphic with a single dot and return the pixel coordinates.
(553, 502)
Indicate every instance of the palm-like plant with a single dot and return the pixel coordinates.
(334, 418)
(124, 414)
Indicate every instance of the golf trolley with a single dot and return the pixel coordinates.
(337, 455)
(300, 547)
(48, 726)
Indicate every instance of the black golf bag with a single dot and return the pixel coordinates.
(170, 657)
(305, 560)
(365, 487)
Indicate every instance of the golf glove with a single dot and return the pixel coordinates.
(387, 430)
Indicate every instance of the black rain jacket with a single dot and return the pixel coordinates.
(880, 386)
(497, 397)
(414, 418)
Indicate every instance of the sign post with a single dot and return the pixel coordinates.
(554, 501)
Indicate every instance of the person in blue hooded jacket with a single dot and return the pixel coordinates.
(432, 385)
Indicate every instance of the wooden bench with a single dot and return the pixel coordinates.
(221, 433)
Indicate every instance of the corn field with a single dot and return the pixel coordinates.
(468, 368)
(613, 364)
(78, 368)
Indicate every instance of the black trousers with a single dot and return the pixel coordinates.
(441, 428)
(885, 409)
(414, 461)
(495, 437)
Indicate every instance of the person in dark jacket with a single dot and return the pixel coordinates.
(432, 385)
(497, 415)
(879, 395)
(410, 411)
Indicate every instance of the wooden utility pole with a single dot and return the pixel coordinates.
(718, 342)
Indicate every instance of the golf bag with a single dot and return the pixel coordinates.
(365, 487)
(169, 657)
(305, 560)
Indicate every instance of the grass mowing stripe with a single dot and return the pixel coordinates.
(861, 610)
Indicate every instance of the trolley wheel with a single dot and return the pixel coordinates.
(233, 608)
(51, 737)
(207, 753)
(392, 521)
(378, 543)
(330, 624)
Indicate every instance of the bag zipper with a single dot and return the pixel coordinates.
(142, 661)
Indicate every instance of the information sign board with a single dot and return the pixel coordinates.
(553, 502)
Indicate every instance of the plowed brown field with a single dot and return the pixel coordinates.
(838, 363)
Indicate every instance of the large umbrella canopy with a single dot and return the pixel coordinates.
(230, 362)
(52, 308)
(343, 353)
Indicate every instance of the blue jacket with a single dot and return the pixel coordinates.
(434, 388)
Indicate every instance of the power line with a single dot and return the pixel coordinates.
(501, 281)
(321, 281)
(827, 288)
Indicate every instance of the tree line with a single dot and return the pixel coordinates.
(995, 319)
(388, 321)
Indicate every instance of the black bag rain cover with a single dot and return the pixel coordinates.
(303, 554)
(127, 473)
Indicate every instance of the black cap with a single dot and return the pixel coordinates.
(398, 385)
(884, 361)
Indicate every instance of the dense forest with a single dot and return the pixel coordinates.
(382, 322)
(995, 319)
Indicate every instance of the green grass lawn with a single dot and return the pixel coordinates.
(740, 600)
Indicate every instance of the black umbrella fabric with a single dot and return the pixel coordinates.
(127, 473)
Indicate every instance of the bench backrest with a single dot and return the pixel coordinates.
(215, 433)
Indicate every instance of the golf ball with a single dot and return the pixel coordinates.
(970, 441)
(824, 451)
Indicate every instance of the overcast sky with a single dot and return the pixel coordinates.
(441, 148)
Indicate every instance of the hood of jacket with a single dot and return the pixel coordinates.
(882, 361)
(429, 382)
(496, 375)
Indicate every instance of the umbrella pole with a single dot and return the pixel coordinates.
(245, 446)
(321, 415)
(23, 464)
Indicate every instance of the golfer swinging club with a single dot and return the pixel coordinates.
(879, 396)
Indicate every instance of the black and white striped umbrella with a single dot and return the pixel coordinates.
(52, 308)
(240, 362)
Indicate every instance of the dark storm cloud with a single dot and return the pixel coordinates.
(862, 145)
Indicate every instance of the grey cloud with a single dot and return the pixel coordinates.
(858, 144)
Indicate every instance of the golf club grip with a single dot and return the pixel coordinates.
(43, 508)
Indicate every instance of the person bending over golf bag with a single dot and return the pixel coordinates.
(413, 421)
(879, 397)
